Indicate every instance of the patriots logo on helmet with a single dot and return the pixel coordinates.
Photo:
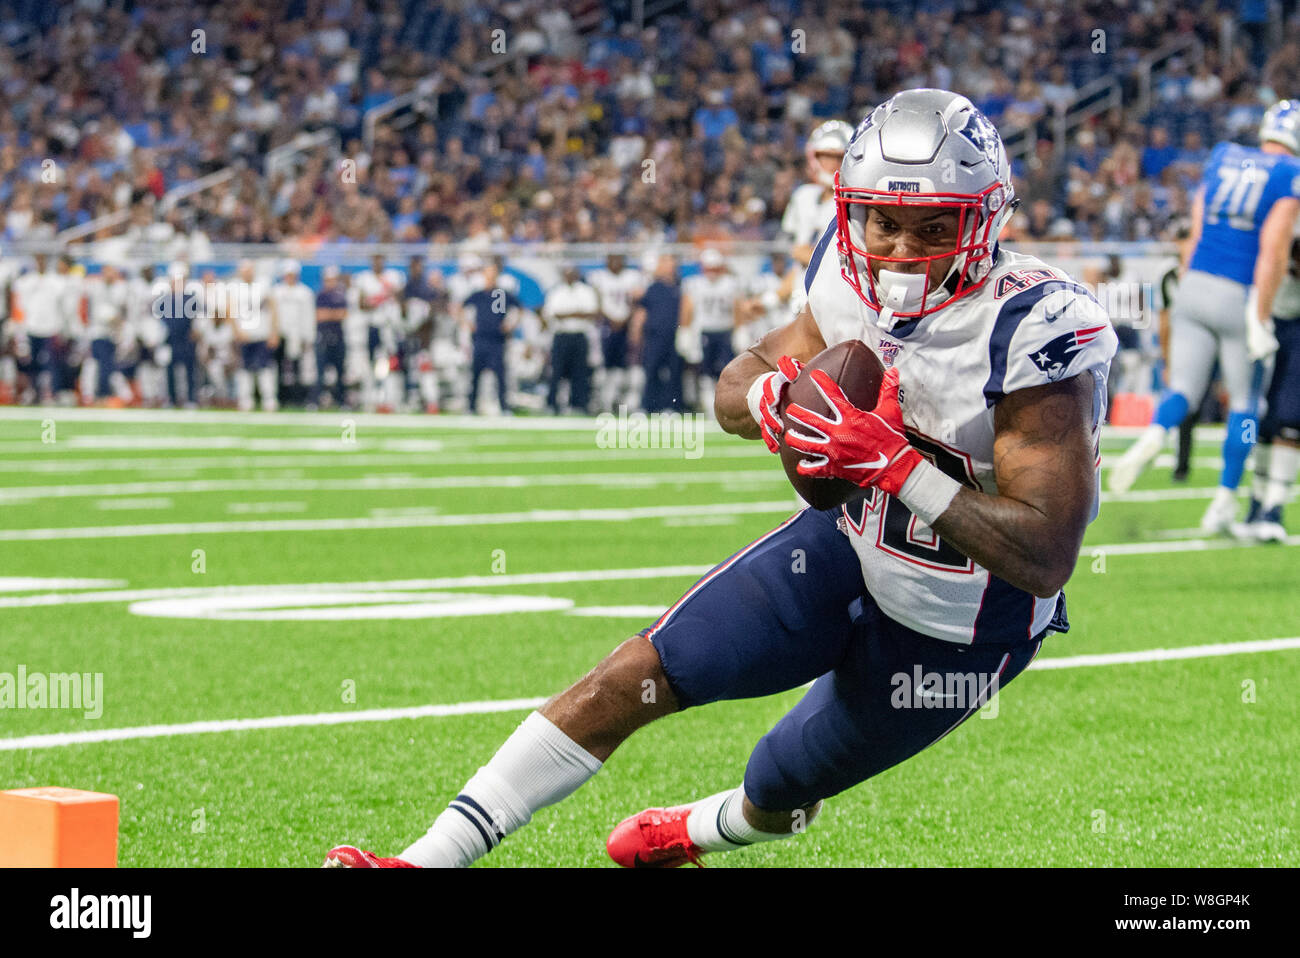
(1054, 358)
(981, 132)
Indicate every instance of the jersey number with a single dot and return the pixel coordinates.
(1237, 196)
(901, 533)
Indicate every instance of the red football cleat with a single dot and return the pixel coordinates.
(656, 838)
(346, 856)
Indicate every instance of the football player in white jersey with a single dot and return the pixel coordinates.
(713, 305)
(769, 303)
(295, 312)
(257, 334)
(978, 468)
(106, 315)
(812, 205)
(619, 288)
(380, 288)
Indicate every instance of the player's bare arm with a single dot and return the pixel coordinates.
(1194, 235)
(1030, 532)
(800, 339)
(1274, 254)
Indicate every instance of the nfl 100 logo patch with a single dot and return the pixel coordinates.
(889, 351)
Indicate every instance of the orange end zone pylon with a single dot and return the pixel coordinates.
(57, 828)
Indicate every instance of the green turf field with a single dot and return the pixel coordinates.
(301, 570)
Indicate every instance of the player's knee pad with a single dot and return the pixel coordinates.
(1172, 410)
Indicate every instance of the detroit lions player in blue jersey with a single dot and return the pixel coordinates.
(906, 610)
(1242, 221)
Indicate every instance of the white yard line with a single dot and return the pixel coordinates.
(444, 582)
(312, 420)
(398, 482)
(63, 739)
(1167, 655)
(396, 522)
(345, 459)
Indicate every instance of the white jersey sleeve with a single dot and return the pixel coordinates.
(1048, 328)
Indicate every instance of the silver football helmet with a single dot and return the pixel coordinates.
(931, 148)
(831, 137)
(1281, 124)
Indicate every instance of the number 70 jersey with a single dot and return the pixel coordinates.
(1240, 186)
(1028, 325)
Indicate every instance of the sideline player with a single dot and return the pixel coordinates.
(979, 462)
(294, 303)
(619, 288)
(713, 305)
(379, 300)
(812, 205)
(1242, 221)
(257, 334)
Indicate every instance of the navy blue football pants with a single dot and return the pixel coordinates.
(791, 608)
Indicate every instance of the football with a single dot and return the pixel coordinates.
(859, 372)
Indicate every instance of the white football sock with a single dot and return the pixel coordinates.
(1282, 471)
(1149, 443)
(718, 823)
(268, 387)
(536, 766)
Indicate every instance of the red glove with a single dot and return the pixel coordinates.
(768, 412)
(866, 448)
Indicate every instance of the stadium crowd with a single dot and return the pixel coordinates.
(531, 126)
(537, 124)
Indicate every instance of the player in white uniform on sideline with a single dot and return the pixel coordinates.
(619, 377)
(146, 333)
(379, 290)
(257, 334)
(295, 311)
(768, 305)
(217, 349)
(812, 205)
(952, 564)
(38, 321)
(712, 308)
(106, 315)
